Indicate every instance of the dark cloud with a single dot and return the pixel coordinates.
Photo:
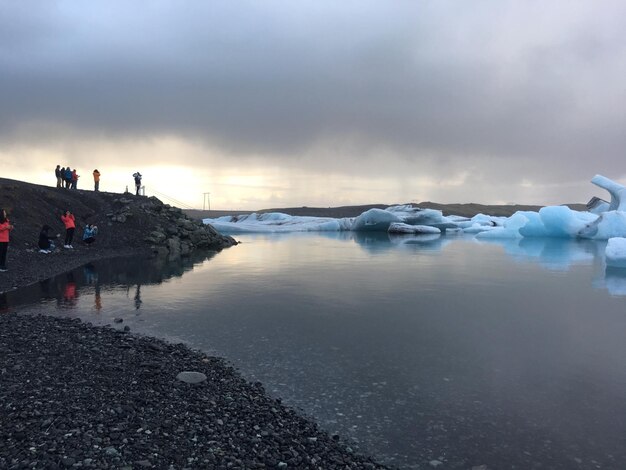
(495, 85)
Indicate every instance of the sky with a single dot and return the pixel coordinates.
(267, 104)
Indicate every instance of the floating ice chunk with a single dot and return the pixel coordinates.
(510, 228)
(375, 220)
(606, 225)
(561, 221)
(379, 220)
(616, 190)
(276, 222)
(399, 227)
(477, 228)
(615, 252)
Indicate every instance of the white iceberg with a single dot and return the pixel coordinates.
(615, 252)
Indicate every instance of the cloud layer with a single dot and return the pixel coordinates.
(500, 91)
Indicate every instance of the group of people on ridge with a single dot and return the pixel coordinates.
(68, 178)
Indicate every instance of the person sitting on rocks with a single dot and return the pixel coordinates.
(46, 244)
(89, 234)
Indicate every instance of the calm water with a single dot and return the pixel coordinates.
(510, 355)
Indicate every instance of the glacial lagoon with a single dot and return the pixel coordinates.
(424, 351)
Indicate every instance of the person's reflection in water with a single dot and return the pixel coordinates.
(98, 299)
(70, 293)
(91, 278)
(89, 270)
(138, 300)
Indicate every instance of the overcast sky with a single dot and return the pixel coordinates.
(318, 103)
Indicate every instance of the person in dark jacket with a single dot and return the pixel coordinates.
(68, 177)
(57, 173)
(46, 244)
(137, 177)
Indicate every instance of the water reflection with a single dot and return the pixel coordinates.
(418, 349)
(132, 273)
(550, 253)
(128, 273)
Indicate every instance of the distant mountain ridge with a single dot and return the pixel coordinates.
(462, 209)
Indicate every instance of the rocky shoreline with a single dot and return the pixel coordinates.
(74, 395)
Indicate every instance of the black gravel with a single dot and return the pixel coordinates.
(77, 396)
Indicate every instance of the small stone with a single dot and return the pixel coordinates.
(191, 377)
(435, 463)
(118, 320)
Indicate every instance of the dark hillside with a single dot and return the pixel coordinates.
(127, 224)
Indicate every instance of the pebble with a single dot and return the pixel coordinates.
(191, 377)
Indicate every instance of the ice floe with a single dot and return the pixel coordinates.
(603, 221)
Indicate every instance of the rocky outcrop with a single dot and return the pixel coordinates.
(173, 232)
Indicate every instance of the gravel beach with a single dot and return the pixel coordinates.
(77, 396)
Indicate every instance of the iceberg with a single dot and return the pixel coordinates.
(602, 222)
(398, 227)
(615, 252)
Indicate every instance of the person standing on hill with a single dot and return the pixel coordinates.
(5, 228)
(70, 225)
(96, 180)
(137, 177)
(75, 177)
(57, 173)
(68, 176)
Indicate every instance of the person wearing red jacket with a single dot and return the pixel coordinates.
(5, 228)
(70, 226)
(75, 177)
